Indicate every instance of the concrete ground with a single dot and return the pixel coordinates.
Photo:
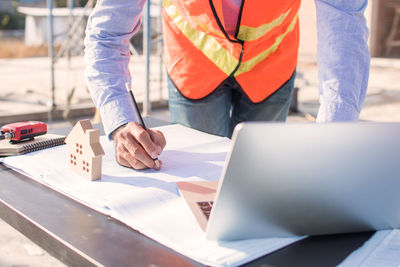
(18, 251)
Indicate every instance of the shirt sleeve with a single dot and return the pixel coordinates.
(110, 27)
(343, 59)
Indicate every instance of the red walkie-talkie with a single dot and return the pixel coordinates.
(22, 131)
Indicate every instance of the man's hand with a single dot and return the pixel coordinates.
(137, 148)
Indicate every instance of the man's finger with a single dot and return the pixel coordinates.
(126, 159)
(137, 153)
(144, 139)
(158, 138)
(131, 141)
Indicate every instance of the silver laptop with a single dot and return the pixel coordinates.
(302, 179)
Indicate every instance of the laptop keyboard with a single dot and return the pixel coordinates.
(206, 207)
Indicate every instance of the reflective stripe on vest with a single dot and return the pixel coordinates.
(199, 55)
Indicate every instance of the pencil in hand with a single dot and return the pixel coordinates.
(139, 116)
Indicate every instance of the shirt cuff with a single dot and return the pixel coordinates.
(116, 113)
(335, 112)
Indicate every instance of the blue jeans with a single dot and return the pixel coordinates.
(222, 110)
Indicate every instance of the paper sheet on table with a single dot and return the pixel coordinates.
(148, 200)
(382, 249)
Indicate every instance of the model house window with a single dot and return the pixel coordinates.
(72, 159)
(78, 148)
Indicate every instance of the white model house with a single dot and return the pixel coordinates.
(84, 150)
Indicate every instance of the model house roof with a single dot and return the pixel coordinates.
(84, 133)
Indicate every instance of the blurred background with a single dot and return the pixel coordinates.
(41, 76)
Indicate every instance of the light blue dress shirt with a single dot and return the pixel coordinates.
(343, 58)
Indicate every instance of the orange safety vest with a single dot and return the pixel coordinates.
(199, 55)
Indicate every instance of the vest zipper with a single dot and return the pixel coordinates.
(240, 59)
(227, 36)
